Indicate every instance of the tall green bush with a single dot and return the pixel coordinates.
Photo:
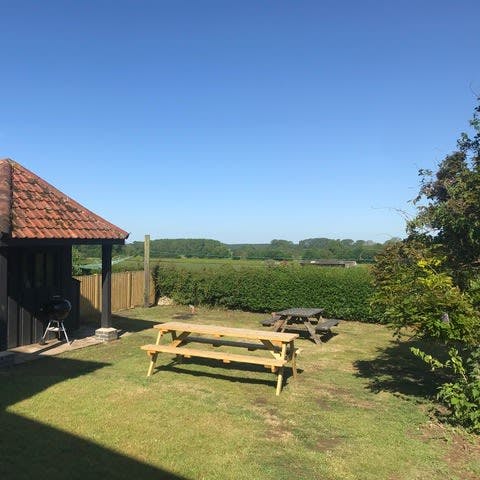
(430, 281)
(343, 293)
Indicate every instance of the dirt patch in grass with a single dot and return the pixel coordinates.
(323, 403)
(330, 393)
(260, 402)
(276, 427)
(461, 450)
(328, 444)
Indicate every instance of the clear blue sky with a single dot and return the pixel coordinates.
(241, 121)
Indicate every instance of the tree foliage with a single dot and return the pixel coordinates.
(430, 281)
(314, 248)
(413, 290)
(449, 207)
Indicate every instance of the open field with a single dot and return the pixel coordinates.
(359, 410)
(136, 263)
(202, 263)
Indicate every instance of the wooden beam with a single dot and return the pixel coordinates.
(106, 320)
(146, 270)
(3, 298)
(32, 242)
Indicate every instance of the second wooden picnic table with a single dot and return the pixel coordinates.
(298, 319)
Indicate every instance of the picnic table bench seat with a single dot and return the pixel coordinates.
(268, 322)
(327, 325)
(223, 356)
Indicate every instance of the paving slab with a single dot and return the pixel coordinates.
(83, 337)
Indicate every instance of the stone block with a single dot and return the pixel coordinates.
(106, 334)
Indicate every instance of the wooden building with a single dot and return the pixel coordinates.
(38, 227)
(330, 263)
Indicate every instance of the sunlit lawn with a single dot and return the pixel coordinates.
(358, 410)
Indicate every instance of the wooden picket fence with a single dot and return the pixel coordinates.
(127, 292)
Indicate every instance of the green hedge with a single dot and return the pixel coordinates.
(343, 293)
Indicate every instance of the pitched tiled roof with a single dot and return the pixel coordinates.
(31, 208)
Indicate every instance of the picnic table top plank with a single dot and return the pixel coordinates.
(216, 330)
(301, 312)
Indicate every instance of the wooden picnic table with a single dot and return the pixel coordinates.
(301, 319)
(280, 346)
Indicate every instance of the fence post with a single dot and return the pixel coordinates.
(146, 270)
(129, 294)
(96, 292)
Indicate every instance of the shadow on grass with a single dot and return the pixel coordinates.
(128, 324)
(183, 316)
(324, 336)
(176, 367)
(124, 323)
(32, 449)
(397, 370)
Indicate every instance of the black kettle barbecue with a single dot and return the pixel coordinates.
(56, 311)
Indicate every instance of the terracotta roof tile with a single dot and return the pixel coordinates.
(32, 208)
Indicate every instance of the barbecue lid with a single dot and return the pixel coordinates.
(57, 308)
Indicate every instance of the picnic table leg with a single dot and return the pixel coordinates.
(279, 381)
(280, 370)
(311, 331)
(293, 354)
(153, 359)
(285, 324)
(159, 336)
(177, 340)
(279, 324)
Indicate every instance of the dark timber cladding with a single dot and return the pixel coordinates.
(38, 227)
(3, 299)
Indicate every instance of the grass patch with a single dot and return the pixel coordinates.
(359, 409)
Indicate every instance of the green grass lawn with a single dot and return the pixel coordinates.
(358, 410)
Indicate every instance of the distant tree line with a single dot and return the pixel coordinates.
(311, 249)
(308, 249)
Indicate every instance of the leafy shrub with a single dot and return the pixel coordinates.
(462, 394)
(343, 293)
(413, 290)
(430, 280)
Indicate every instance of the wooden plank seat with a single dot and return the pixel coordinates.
(325, 326)
(268, 322)
(223, 356)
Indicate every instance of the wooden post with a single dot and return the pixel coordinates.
(130, 291)
(106, 321)
(3, 299)
(146, 270)
(106, 332)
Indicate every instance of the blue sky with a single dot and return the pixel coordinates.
(241, 121)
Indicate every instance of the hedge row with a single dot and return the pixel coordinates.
(343, 293)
